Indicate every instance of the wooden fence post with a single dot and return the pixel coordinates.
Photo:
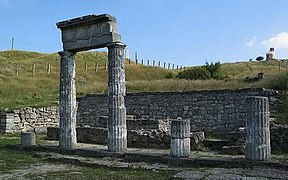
(96, 67)
(86, 66)
(17, 71)
(33, 69)
(49, 68)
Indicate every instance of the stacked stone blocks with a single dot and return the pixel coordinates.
(180, 138)
(89, 32)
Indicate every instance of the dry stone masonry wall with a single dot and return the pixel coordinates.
(27, 119)
(214, 112)
(92, 112)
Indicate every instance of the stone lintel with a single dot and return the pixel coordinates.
(84, 20)
(89, 32)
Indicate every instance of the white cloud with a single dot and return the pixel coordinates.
(251, 42)
(279, 41)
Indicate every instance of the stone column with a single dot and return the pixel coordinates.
(180, 138)
(117, 131)
(257, 129)
(68, 109)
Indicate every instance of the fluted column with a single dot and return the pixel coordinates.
(180, 138)
(68, 109)
(257, 129)
(117, 131)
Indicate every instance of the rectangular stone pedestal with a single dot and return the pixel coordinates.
(28, 139)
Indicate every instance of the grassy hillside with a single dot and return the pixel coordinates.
(244, 69)
(40, 89)
(19, 87)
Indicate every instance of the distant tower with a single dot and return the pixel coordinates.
(270, 54)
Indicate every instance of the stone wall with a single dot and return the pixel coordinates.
(27, 119)
(214, 112)
(135, 138)
(279, 138)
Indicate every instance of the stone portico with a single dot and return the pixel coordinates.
(86, 33)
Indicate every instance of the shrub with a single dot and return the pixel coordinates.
(194, 73)
(169, 75)
(260, 58)
(208, 71)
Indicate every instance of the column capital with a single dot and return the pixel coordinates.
(66, 53)
(116, 44)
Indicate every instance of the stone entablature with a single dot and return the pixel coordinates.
(89, 32)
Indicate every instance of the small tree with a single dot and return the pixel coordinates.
(260, 58)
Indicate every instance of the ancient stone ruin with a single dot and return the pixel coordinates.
(154, 119)
(85, 33)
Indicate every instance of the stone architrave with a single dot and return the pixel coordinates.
(117, 131)
(257, 129)
(68, 109)
(180, 138)
(89, 32)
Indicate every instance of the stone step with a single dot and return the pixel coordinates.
(216, 144)
(233, 150)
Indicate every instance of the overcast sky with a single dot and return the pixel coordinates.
(184, 32)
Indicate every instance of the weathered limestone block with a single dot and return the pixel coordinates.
(180, 138)
(180, 147)
(257, 129)
(28, 139)
(88, 32)
(68, 109)
(117, 131)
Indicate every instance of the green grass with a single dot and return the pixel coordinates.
(10, 159)
(42, 89)
(244, 69)
(15, 160)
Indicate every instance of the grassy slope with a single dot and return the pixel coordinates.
(43, 89)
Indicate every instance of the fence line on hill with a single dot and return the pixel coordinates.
(96, 67)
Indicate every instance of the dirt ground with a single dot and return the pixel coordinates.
(42, 170)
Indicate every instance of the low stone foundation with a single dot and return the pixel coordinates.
(279, 139)
(135, 138)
